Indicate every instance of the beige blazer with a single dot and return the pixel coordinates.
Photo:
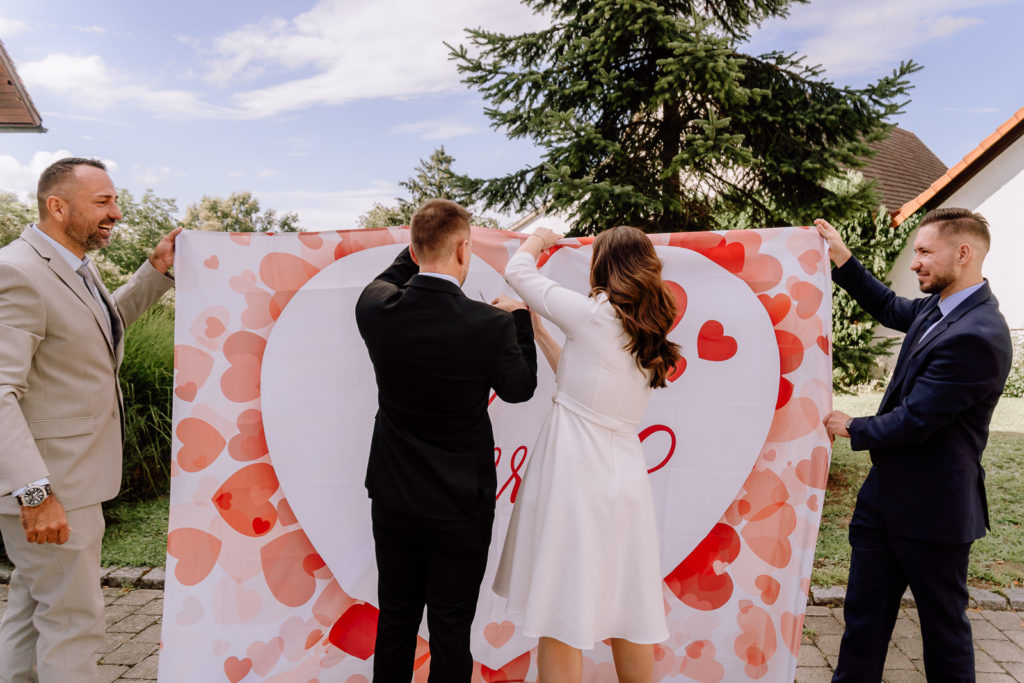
(60, 400)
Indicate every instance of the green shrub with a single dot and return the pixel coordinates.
(147, 375)
(1015, 382)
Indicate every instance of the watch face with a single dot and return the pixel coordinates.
(33, 496)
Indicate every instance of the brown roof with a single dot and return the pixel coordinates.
(956, 177)
(904, 167)
(17, 113)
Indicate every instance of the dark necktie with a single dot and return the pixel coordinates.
(113, 325)
(934, 316)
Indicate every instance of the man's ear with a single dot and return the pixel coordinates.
(412, 254)
(462, 252)
(55, 206)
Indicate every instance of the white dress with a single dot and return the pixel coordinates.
(580, 560)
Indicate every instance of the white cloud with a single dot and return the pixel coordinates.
(348, 51)
(90, 83)
(434, 130)
(870, 35)
(333, 210)
(11, 27)
(21, 179)
(149, 176)
(90, 29)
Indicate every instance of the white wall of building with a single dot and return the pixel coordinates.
(997, 193)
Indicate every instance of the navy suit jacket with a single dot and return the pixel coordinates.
(926, 481)
(436, 355)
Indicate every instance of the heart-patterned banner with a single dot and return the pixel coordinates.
(271, 574)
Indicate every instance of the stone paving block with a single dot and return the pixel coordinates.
(1015, 669)
(104, 571)
(834, 595)
(130, 653)
(984, 663)
(154, 607)
(817, 611)
(146, 669)
(823, 625)
(111, 672)
(837, 612)
(896, 660)
(1015, 596)
(1015, 636)
(810, 656)
(139, 596)
(1006, 620)
(115, 613)
(126, 576)
(911, 613)
(150, 635)
(911, 647)
(1002, 650)
(905, 628)
(154, 579)
(133, 623)
(983, 629)
(979, 597)
(111, 641)
(995, 678)
(908, 599)
(974, 613)
(903, 676)
(829, 646)
(805, 674)
(110, 595)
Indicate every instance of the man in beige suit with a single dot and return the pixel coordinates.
(61, 343)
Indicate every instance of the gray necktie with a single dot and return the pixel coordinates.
(113, 325)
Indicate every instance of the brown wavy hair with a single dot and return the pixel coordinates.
(626, 268)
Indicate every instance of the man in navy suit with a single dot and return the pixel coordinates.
(923, 501)
(437, 354)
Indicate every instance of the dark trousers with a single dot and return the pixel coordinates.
(881, 568)
(434, 563)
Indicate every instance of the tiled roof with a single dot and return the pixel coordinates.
(17, 113)
(904, 167)
(967, 168)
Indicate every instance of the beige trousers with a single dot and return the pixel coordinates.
(53, 626)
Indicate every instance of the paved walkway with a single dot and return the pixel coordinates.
(134, 615)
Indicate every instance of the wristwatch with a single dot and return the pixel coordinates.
(847, 425)
(34, 495)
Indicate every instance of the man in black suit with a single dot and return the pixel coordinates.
(436, 354)
(923, 502)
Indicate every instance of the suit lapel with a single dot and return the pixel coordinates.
(913, 345)
(74, 282)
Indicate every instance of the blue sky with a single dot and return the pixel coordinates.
(321, 107)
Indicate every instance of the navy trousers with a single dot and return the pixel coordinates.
(434, 563)
(881, 568)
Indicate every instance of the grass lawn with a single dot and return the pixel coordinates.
(996, 560)
(137, 533)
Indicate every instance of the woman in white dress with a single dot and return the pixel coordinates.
(581, 559)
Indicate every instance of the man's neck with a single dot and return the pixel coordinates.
(441, 269)
(960, 285)
(60, 238)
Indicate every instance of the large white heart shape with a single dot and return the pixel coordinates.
(319, 399)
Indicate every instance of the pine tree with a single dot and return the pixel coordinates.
(647, 113)
(433, 178)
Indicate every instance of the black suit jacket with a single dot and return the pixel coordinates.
(928, 437)
(437, 354)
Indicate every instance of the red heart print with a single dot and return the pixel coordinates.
(250, 443)
(355, 631)
(713, 343)
(212, 262)
(777, 306)
(288, 568)
(196, 552)
(201, 443)
(679, 294)
(499, 634)
(236, 669)
(513, 671)
(186, 392)
(678, 371)
(244, 499)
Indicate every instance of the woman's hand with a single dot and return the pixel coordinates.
(507, 303)
(549, 237)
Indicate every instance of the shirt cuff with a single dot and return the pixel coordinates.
(37, 482)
